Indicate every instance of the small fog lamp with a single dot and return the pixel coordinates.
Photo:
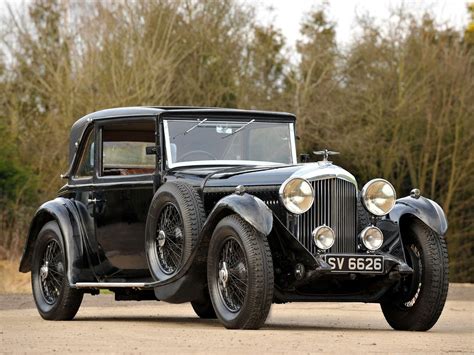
(372, 238)
(323, 237)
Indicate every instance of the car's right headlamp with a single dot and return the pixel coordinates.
(378, 197)
(297, 195)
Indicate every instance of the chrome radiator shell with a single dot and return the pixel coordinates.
(335, 205)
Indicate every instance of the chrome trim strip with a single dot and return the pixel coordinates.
(118, 183)
(167, 143)
(225, 162)
(323, 170)
(108, 284)
(293, 143)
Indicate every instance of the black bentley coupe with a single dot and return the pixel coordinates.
(211, 206)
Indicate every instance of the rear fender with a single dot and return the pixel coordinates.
(62, 211)
(426, 210)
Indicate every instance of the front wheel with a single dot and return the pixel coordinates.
(420, 298)
(240, 274)
(54, 298)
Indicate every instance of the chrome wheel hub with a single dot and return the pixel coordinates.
(44, 271)
(223, 275)
(161, 238)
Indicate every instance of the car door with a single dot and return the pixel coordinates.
(123, 193)
(82, 189)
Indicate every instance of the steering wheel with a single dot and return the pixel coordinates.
(185, 155)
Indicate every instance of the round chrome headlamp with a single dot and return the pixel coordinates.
(378, 197)
(297, 195)
(324, 237)
(372, 237)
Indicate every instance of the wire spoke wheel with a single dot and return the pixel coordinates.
(416, 302)
(51, 272)
(175, 219)
(239, 274)
(169, 241)
(413, 287)
(232, 275)
(55, 299)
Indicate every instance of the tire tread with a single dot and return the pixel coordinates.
(259, 258)
(424, 315)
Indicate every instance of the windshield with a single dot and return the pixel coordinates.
(247, 142)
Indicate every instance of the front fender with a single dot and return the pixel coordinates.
(428, 211)
(62, 211)
(252, 209)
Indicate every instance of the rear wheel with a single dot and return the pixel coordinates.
(54, 298)
(240, 274)
(420, 298)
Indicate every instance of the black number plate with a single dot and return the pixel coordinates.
(356, 263)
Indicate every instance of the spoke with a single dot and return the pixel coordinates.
(47, 252)
(176, 258)
(235, 278)
(55, 282)
(242, 288)
(55, 272)
(51, 285)
(169, 256)
(176, 249)
(235, 290)
(173, 243)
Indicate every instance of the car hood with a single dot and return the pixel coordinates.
(261, 175)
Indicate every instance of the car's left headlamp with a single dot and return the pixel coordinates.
(297, 195)
(378, 197)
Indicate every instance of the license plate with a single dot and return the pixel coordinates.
(350, 263)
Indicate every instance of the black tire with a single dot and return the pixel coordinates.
(180, 231)
(54, 298)
(420, 298)
(239, 304)
(203, 308)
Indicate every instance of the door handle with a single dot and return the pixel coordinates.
(94, 200)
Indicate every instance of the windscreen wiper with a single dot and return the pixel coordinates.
(190, 129)
(239, 129)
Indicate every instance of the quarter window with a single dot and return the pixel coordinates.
(86, 164)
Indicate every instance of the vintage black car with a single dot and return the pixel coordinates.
(210, 206)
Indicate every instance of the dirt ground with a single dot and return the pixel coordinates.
(103, 325)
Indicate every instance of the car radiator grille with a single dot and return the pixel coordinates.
(335, 206)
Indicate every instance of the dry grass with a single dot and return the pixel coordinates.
(11, 280)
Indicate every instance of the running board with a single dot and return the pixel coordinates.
(111, 285)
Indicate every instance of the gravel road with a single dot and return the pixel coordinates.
(103, 325)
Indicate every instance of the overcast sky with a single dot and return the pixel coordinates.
(287, 14)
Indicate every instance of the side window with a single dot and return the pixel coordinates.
(124, 148)
(85, 168)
